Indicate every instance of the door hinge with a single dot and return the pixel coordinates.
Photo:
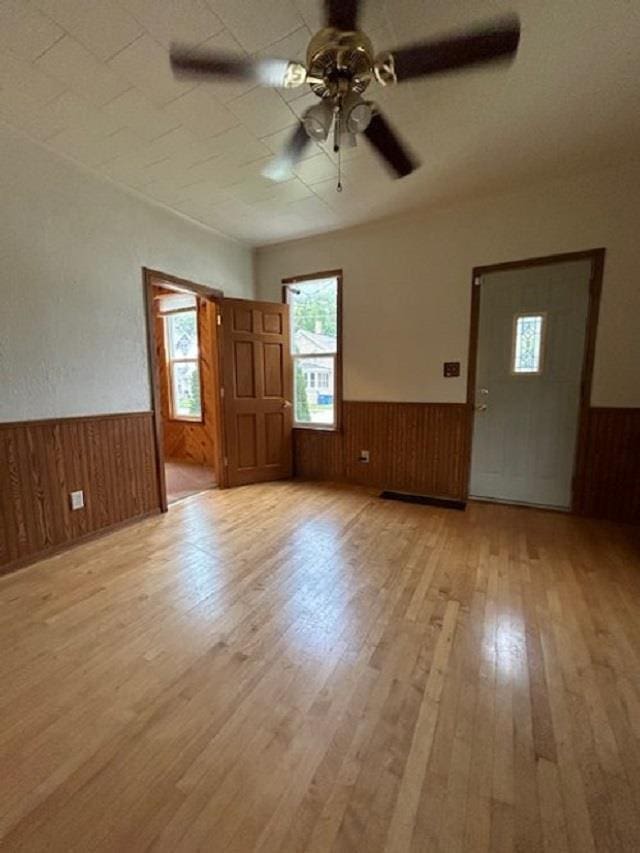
(225, 461)
(477, 280)
(221, 391)
(218, 319)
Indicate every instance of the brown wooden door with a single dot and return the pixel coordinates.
(258, 388)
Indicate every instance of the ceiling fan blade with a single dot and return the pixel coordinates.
(342, 14)
(388, 145)
(277, 73)
(494, 42)
(281, 167)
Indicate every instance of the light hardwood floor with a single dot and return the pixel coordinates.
(305, 667)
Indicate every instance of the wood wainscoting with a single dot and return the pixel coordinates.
(424, 448)
(110, 457)
(608, 470)
(414, 447)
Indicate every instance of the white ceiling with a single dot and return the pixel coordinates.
(91, 80)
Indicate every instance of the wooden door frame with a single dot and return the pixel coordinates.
(155, 278)
(597, 259)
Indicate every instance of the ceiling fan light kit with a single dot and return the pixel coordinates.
(341, 65)
(318, 120)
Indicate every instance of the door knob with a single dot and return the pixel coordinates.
(286, 404)
(481, 407)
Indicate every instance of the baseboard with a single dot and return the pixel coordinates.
(55, 550)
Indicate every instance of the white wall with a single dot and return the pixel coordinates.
(72, 327)
(406, 297)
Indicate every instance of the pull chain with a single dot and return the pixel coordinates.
(337, 147)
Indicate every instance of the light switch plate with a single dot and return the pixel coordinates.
(77, 500)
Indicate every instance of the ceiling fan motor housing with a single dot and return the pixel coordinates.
(343, 62)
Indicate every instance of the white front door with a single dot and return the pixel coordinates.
(531, 340)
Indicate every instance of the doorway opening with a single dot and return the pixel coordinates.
(183, 343)
(533, 329)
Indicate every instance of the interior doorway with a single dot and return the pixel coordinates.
(184, 358)
(533, 337)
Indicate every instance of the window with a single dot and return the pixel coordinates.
(180, 314)
(315, 348)
(528, 343)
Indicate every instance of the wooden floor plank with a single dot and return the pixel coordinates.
(303, 667)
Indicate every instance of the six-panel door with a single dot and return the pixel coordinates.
(258, 388)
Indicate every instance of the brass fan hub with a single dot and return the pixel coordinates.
(341, 61)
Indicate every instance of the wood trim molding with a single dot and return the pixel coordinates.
(109, 457)
(152, 279)
(75, 418)
(597, 258)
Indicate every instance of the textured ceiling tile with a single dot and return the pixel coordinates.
(146, 65)
(569, 100)
(312, 12)
(166, 190)
(93, 150)
(302, 103)
(21, 79)
(201, 113)
(263, 111)
(76, 67)
(132, 109)
(102, 26)
(316, 169)
(175, 20)
(169, 143)
(71, 111)
(239, 143)
(255, 30)
(26, 31)
(126, 169)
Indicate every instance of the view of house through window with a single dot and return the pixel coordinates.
(314, 347)
(181, 342)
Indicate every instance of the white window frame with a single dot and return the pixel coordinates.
(294, 284)
(172, 362)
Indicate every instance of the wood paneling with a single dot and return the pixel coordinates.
(424, 448)
(110, 457)
(185, 441)
(608, 474)
(319, 454)
(414, 447)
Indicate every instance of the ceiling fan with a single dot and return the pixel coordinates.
(341, 64)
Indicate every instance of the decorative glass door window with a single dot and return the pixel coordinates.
(528, 344)
(183, 358)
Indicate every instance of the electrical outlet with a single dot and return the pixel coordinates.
(77, 499)
(364, 456)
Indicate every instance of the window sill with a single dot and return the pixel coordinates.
(318, 428)
(196, 421)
